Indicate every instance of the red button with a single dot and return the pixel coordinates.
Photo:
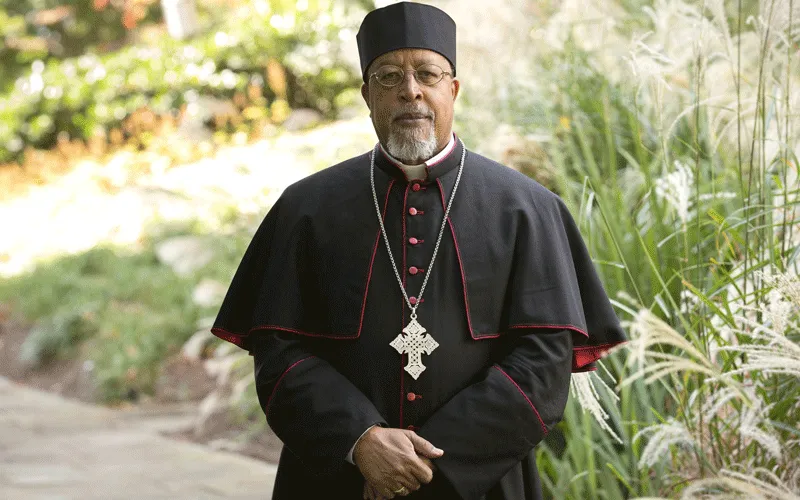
(413, 240)
(413, 300)
(413, 270)
(411, 396)
(412, 427)
(415, 187)
(412, 211)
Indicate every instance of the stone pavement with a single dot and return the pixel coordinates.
(53, 448)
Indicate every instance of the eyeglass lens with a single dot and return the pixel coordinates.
(427, 74)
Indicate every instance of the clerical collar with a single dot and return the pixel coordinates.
(446, 160)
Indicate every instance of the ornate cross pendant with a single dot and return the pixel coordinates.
(414, 344)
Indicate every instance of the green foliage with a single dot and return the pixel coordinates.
(129, 310)
(91, 94)
(57, 29)
(689, 252)
(54, 336)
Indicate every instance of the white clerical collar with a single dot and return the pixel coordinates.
(432, 161)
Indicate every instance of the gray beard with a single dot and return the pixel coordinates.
(407, 148)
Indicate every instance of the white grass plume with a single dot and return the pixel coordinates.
(663, 436)
(583, 389)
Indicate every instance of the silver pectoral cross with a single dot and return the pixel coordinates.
(414, 344)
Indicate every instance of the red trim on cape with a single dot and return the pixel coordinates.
(238, 339)
(275, 388)
(461, 268)
(404, 214)
(544, 428)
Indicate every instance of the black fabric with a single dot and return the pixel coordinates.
(488, 430)
(406, 25)
(513, 301)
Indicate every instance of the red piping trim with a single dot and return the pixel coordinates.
(372, 260)
(403, 305)
(266, 408)
(461, 268)
(394, 163)
(544, 428)
(238, 339)
(427, 167)
(440, 160)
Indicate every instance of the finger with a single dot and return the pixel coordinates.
(412, 485)
(423, 446)
(368, 493)
(374, 494)
(409, 485)
(427, 461)
(421, 471)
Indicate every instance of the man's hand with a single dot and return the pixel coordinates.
(391, 458)
(371, 493)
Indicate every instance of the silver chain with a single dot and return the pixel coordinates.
(438, 240)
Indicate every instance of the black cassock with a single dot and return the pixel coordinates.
(513, 301)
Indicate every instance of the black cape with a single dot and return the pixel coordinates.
(513, 301)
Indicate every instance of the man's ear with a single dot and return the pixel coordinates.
(456, 85)
(365, 93)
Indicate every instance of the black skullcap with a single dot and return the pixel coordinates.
(406, 25)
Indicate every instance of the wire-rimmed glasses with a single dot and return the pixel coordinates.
(426, 74)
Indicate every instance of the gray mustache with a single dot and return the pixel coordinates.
(412, 112)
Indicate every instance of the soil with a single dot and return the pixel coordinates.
(182, 385)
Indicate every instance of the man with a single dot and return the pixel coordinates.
(361, 376)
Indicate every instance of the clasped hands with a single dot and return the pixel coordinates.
(391, 458)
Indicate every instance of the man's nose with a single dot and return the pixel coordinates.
(410, 88)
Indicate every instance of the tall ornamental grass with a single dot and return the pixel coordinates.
(679, 155)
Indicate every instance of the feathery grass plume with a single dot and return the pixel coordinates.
(582, 388)
(718, 404)
(786, 283)
(774, 353)
(649, 331)
(663, 436)
(731, 484)
(750, 427)
(676, 187)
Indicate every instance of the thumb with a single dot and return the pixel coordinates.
(424, 447)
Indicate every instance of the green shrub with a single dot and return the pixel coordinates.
(92, 94)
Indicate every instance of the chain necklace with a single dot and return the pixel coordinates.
(416, 341)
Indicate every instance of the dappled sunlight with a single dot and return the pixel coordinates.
(107, 203)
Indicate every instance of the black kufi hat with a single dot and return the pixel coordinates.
(406, 25)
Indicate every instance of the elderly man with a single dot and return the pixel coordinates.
(415, 312)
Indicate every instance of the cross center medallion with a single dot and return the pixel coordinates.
(415, 342)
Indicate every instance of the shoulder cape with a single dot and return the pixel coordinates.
(522, 259)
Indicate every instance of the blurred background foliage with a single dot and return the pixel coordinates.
(98, 70)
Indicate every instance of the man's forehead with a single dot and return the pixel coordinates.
(413, 55)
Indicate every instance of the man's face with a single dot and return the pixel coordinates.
(411, 140)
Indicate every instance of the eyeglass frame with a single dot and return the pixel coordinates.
(403, 75)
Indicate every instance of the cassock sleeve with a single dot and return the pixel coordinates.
(492, 424)
(315, 410)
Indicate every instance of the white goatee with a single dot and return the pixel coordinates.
(407, 148)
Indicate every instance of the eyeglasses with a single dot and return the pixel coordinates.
(426, 74)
